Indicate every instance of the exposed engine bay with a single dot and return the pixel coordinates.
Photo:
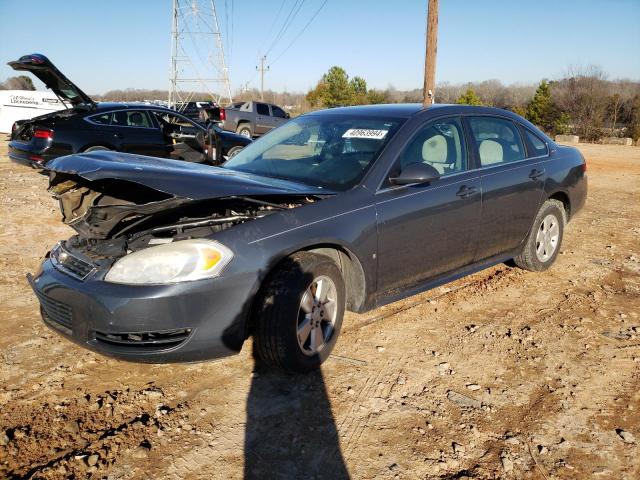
(114, 217)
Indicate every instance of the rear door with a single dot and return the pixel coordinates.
(428, 230)
(512, 184)
(264, 121)
(134, 131)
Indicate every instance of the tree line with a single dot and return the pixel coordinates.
(584, 102)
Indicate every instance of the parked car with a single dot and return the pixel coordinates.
(194, 110)
(349, 208)
(252, 119)
(87, 126)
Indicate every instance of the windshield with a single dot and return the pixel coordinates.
(327, 151)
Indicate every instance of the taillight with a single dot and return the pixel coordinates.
(223, 114)
(14, 127)
(45, 133)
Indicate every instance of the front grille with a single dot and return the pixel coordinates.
(56, 312)
(69, 263)
(158, 340)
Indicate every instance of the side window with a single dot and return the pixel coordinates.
(262, 109)
(103, 119)
(498, 140)
(539, 147)
(134, 118)
(440, 144)
(278, 112)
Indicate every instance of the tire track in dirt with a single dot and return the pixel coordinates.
(77, 436)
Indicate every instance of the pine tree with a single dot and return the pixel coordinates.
(540, 109)
(469, 98)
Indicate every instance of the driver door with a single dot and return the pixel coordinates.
(428, 230)
(180, 134)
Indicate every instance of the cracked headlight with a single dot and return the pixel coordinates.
(181, 261)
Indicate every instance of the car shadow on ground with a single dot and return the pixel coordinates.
(290, 431)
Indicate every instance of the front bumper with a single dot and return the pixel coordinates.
(183, 322)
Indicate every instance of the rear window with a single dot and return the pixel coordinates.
(133, 118)
(539, 147)
(262, 109)
(103, 119)
(498, 140)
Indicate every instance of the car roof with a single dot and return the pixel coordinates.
(406, 110)
(103, 106)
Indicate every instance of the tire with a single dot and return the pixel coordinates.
(545, 238)
(233, 151)
(281, 316)
(96, 149)
(244, 130)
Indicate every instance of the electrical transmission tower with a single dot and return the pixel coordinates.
(197, 55)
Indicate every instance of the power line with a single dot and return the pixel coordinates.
(287, 23)
(301, 32)
(273, 24)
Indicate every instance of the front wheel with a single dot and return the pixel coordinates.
(299, 314)
(233, 151)
(543, 243)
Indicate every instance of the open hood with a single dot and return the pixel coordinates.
(176, 177)
(41, 67)
(103, 194)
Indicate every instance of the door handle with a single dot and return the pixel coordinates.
(117, 135)
(465, 191)
(536, 174)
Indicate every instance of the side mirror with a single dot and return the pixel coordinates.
(287, 115)
(415, 173)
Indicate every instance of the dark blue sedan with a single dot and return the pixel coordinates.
(87, 126)
(350, 208)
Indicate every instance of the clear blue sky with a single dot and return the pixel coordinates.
(103, 45)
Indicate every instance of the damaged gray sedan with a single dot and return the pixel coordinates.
(342, 209)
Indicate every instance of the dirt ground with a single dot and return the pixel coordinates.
(504, 374)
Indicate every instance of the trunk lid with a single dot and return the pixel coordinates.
(41, 67)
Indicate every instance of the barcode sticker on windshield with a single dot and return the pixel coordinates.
(365, 133)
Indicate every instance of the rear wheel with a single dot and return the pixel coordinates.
(299, 314)
(543, 243)
(245, 130)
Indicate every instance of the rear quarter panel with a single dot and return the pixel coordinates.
(567, 174)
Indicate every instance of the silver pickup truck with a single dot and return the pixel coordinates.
(252, 119)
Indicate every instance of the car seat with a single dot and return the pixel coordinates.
(435, 152)
(491, 152)
(136, 119)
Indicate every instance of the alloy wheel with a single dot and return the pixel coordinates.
(547, 238)
(317, 315)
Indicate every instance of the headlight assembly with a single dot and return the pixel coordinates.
(181, 261)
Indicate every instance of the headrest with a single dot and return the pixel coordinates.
(490, 152)
(135, 118)
(434, 150)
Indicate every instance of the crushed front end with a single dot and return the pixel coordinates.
(121, 311)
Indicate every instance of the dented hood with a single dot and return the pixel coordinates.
(175, 177)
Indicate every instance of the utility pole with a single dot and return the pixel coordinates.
(262, 69)
(194, 30)
(429, 90)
